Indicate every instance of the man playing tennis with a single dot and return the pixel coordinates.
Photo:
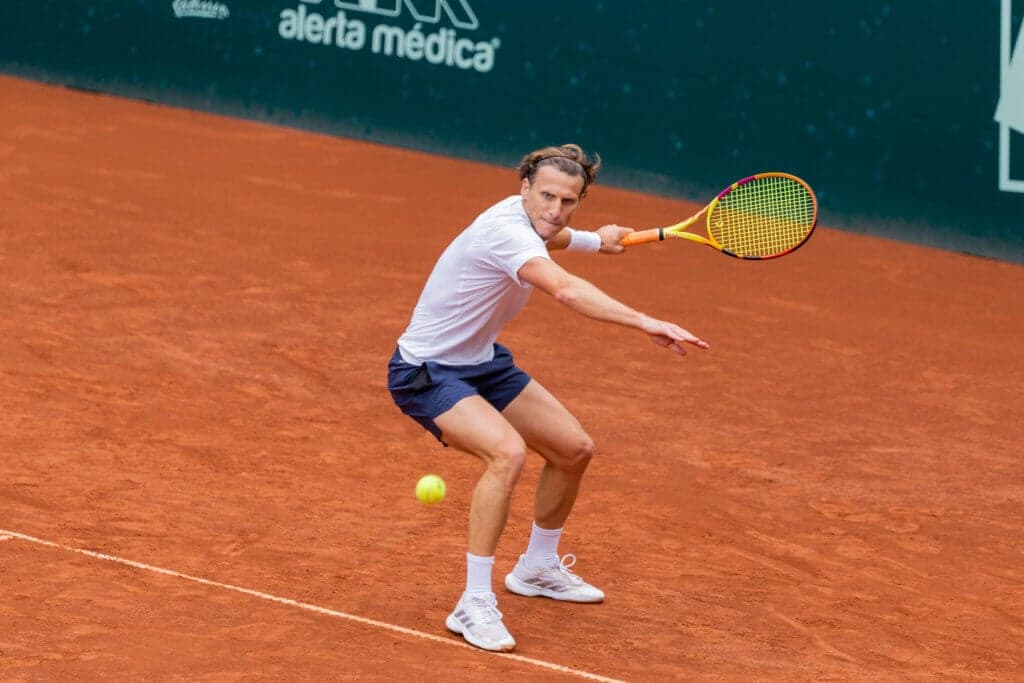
(449, 374)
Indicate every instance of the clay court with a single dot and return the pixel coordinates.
(202, 475)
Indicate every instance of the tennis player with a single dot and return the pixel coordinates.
(451, 376)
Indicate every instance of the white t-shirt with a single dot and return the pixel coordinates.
(474, 289)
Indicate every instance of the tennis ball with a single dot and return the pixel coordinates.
(430, 489)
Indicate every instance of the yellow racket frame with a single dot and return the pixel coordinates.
(776, 225)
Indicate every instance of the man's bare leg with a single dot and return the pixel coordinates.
(550, 429)
(474, 426)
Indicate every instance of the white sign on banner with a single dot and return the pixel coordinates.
(1010, 111)
(1010, 108)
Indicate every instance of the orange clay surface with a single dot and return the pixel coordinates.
(197, 314)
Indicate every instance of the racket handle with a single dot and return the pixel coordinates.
(642, 236)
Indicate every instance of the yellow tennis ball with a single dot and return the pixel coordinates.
(430, 489)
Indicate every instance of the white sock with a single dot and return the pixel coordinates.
(543, 548)
(478, 573)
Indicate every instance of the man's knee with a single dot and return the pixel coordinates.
(507, 461)
(579, 454)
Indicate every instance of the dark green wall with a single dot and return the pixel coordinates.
(885, 107)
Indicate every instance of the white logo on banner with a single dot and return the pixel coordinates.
(1010, 110)
(201, 9)
(461, 14)
(426, 40)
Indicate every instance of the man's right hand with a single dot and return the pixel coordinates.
(611, 235)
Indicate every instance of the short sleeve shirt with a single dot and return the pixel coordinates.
(474, 289)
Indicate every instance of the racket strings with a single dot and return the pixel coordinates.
(763, 217)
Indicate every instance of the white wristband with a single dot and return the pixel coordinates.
(583, 240)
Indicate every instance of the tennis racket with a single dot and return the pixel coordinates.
(763, 216)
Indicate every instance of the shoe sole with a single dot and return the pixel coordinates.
(455, 626)
(518, 587)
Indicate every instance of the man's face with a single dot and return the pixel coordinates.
(550, 200)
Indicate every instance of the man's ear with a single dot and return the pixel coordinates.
(524, 187)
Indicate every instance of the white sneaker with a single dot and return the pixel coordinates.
(556, 582)
(477, 618)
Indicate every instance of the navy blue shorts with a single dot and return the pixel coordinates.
(425, 391)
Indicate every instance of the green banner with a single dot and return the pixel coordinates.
(887, 109)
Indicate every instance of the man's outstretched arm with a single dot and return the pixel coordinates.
(586, 299)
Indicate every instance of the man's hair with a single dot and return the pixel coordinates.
(569, 159)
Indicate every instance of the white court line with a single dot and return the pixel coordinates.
(7, 535)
